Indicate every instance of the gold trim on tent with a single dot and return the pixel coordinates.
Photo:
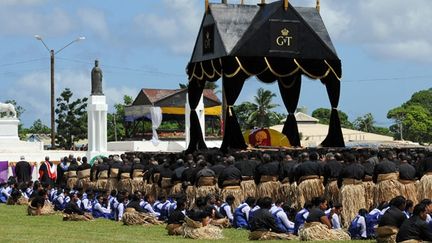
(209, 111)
(240, 67)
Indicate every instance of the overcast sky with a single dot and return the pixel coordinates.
(385, 47)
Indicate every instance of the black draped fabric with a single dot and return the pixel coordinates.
(233, 137)
(290, 91)
(334, 137)
(195, 90)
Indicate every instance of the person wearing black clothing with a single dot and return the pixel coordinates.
(176, 178)
(72, 207)
(23, 171)
(263, 224)
(218, 167)
(101, 175)
(37, 203)
(331, 171)
(137, 175)
(308, 175)
(266, 177)
(176, 219)
(72, 178)
(352, 191)
(407, 179)
(394, 216)
(124, 177)
(386, 179)
(316, 214)
(135, 204)
(415, 228)
(425, 175)
(83, 172)
(113, 174)
(165, 176)
(47, 172)
(229, 182)
(247, 168)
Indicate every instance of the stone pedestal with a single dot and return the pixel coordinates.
(201, 116)
(9, 129)
(97, 109)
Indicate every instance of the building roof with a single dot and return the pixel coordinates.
(305, 118)
(172, 97)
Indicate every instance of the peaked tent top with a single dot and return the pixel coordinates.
(263, 30)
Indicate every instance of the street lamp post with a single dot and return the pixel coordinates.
(52, 54)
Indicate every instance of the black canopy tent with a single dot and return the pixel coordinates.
(274, 42)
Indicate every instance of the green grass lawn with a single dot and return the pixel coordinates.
(16, 226)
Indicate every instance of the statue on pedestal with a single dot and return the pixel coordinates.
(96, 79)
(9, 109)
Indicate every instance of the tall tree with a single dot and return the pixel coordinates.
(365, 123)
(263, 115)
(71, 119)
(413, 122)
(39, 128)
(323, 115)
(243, 112)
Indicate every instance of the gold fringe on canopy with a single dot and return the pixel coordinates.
(408, 189)
(248, 188)
(332, 191)
(386, 190)
(424, 188)
(307, 190)
(198, 67)
(319, 232)
(132, 217)
(268, 189)
(209, 232)
(352, 198)
(236, 191)
(268, 235)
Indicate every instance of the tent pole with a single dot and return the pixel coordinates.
(286, 5)
(206, 6)
(318, 5)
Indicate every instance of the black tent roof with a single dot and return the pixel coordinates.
(249, 30)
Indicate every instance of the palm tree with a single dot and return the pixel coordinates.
(365, 123)
(263, 115)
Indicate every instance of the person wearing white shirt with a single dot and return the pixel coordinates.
(99, 211)
(281, 218)
(147, 205)
(225, 208)
(357, 228)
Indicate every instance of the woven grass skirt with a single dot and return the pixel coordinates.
(307, 190)
(352, 199)
(320, 232)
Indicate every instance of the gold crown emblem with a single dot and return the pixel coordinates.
(285, 32)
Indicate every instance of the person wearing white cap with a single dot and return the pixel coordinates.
(23, 170)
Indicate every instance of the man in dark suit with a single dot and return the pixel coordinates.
(23, 170)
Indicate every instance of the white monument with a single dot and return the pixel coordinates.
(9, 139)
(201, 117)
(97, 109)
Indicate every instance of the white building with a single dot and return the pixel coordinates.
(313, 133)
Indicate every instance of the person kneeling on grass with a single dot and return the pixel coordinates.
(241, 213)
(73, 213)
(176, 218)
(198, 225)
(318, 226)
(37, 203)
(358, 228)
(415, 228)
(263, 225)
